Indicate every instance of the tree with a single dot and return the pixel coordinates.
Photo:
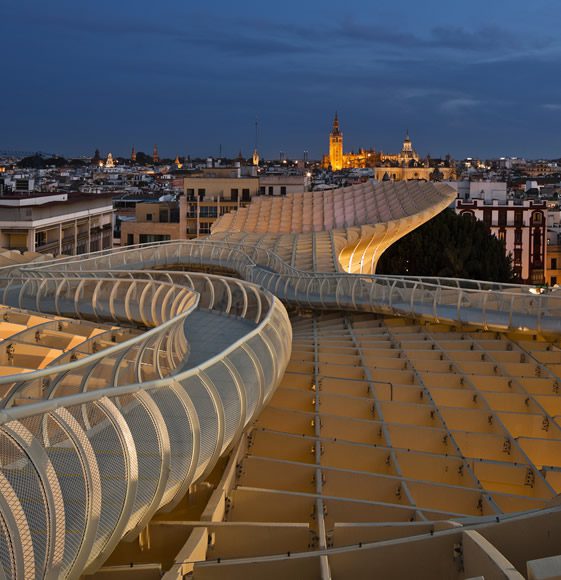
(143, 159)
(32, 162)
(452, 246)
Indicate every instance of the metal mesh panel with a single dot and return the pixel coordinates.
(23, 477)
(148, 450)
(85, 306)
(102, 300)
(70, 382)
(127, 370)
(264, 356)
(276, 346)
(37, 426)
(250, 381)
(133, 299)
(6, 551)
(226, 387)
(69, 470)
(208, 417)
(101, 375)
(112, 468)
(180, 431)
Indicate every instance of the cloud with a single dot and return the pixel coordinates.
(479, 40)
(483, 39)
(459, 105)
(552, 106)
(412, 93)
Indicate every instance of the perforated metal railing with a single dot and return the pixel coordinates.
(486, 305)
(78, 437)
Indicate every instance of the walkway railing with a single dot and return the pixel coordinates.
(92, 448)
(487, 305)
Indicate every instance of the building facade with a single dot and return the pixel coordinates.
(155, 221)
(553, 265)
(66, 223)
(523, 228)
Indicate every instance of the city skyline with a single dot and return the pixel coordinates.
(477, 83)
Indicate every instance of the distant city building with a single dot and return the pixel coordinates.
(283, 184)
(155, 155)
(66, 223)
(402, 166)
(155, 221)
(336, 156)
(521, 224)
(133, 154)
(553, 265)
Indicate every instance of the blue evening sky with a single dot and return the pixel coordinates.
(479, 78)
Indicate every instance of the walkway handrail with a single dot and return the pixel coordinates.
(487, 305)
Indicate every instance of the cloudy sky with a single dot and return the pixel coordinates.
(479, 78)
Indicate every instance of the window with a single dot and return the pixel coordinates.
(204, 228)
(201, 193)
(538, 217)
(502, 235)
(208, 211)
(234, 194)
(149, 238)
(245, 195)
(554, 263)
(148, 217)
(502, 218)
(190, 194)
(271, 190)
(130, 239)
(40, 239)
(517, 256)
(517, 236)
(283, 189)
(518, 218)
(487, 217)
(192, 210)
(174, 215)
(164, 215)
(262, 190)
(553, 280)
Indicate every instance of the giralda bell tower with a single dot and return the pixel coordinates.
(336, 146)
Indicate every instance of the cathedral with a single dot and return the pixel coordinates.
(406, 165)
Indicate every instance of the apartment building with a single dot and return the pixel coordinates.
(521, 225)
(155, 221)
(284, 184)
(64, 223)
(212, 195)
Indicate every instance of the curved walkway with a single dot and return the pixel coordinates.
(93, 447)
